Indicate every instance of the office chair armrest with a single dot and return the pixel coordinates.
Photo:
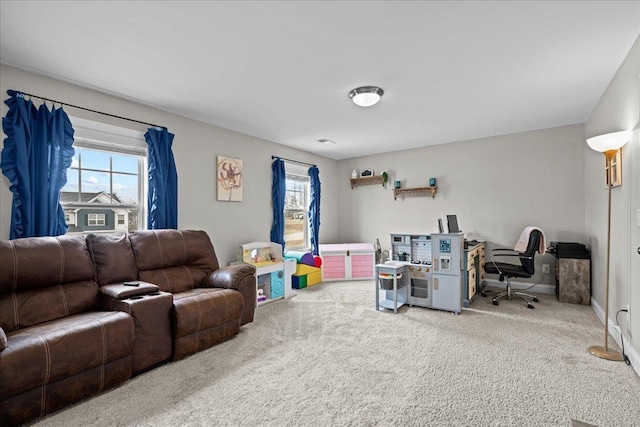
(506, 255)
(495, 265)
(518, 255)
(513, 255)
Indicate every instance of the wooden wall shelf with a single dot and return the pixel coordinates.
(367, 180)
(414, 192)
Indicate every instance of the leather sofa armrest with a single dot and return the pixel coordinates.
(3, 339)
(240, 277)
(229, 277)
(121, 291)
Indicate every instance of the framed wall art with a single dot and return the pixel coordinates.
(229, 177)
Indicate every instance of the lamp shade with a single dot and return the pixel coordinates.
(366, 96)
(609, 141)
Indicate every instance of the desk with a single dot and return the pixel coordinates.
(473, 264)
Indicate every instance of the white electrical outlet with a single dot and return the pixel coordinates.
(545, 268)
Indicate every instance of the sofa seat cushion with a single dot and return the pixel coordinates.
(204, 318)
(48, 352)
(204, 308)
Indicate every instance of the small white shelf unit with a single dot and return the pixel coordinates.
(273, 273)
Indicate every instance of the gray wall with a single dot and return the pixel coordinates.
(618, 109)
(195, 148)
(497, 186)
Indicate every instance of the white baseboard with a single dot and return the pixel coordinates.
(614, 330)
(521, 286)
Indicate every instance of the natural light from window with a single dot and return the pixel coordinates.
(95, 171)
(296, 222)
(105, 189)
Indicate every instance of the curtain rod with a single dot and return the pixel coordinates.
(293, 161)
(88, 109)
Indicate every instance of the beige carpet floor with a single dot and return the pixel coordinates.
(327, 358)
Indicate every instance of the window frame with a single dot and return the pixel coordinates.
(100, 219)
(115, 140)
(301, 174)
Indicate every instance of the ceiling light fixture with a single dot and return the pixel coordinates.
(326, 141)
(366, 96)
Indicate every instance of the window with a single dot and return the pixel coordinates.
(296, 209)
(95, 219)
(108, 173)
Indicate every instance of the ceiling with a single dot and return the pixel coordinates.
(281, 71)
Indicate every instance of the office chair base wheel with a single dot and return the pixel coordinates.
(484, 294)
(495, 302)
(536, 300)
(530, 306)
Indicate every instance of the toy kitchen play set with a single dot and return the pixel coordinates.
(273, 272)
(425, 271)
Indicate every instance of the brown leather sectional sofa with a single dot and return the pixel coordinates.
(81, 314)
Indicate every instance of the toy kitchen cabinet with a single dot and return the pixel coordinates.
(347, 261)
(447, 279)
(391, 285)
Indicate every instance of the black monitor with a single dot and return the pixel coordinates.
(452, 223)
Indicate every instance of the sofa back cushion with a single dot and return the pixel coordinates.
(43, 279)
(174, 260)
(113, 258)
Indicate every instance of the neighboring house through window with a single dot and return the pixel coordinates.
(296, 208)
(106, 183)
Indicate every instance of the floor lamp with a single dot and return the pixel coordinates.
(609, 144)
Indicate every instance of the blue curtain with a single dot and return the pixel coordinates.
(314, 208)
(163, 180)
(278, 190)
(36, 155)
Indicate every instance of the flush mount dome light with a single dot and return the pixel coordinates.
(366, 96)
